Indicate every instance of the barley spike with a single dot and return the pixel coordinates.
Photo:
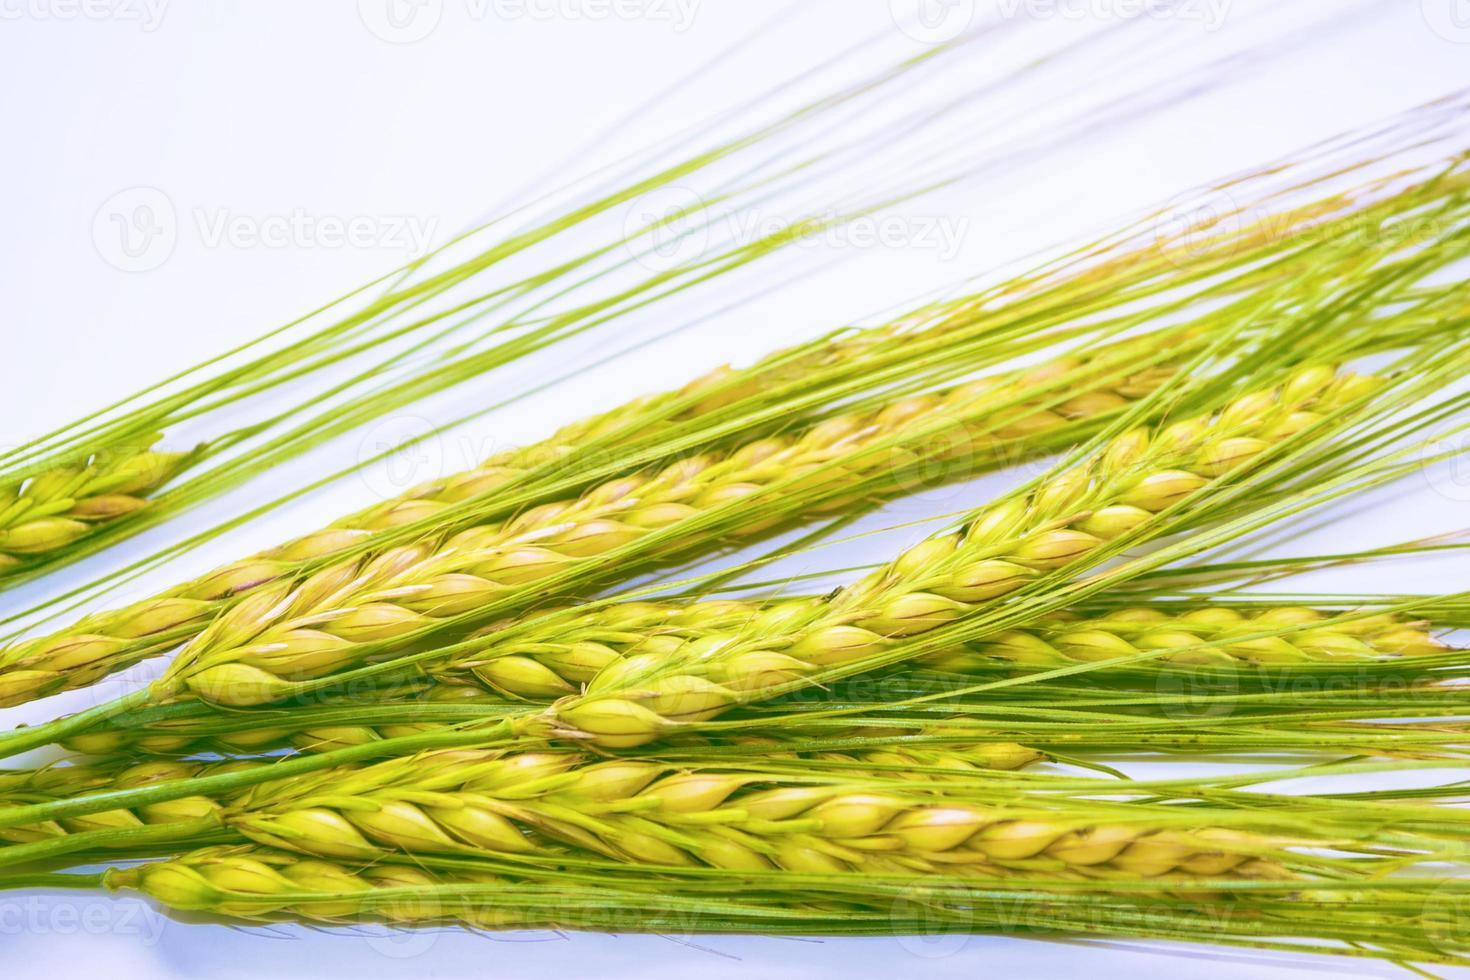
(562, 657)
(700, 672)
(51, 509)
(297, 631)
(1208, 635)
(648, 812)
(253, 883)
(399, 589)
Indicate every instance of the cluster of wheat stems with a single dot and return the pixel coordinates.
(454, 705)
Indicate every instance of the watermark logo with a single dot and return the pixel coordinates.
(300, 228)
(36, 915)
(932, 21)
(400, 21)
(1445, 463)
(671, 227)
(396, 943)
(399, 453)
(1447, 917)
(407, 21)
(1193, 223)
(139, 228)
(666, 228)
(136, 229)
(1210, 222)
(1195, 692)
(1209, 14)
(928, 924)
(1450, 19)
(146, 14)
(942, 234)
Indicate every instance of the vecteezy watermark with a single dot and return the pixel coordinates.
(300, 228)
(678, 14)
(1445, 463)
(940, 21)
(1209, 14)
(401, 452)
(399, 943)
(1447, 917)
(400, 21)
(407, 21)
(940, 233)
(671, 226)
(1208, 221)
(928, 924)
(936, 921)
(404, 451)
(666, 228)
(138, 229)
(39, 915)
(932, 21)
(1189, 692)
(1190, 224)
(147, 14)
(1450, 19)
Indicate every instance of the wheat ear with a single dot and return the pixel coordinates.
(303, 731)
(58, 506)
(260, 884)
(560, 658)
(1117, 490)
(184, 736)
(1209, 635)
(902, 762)
(296, 631)
(255, 883)
(550, 661)
(60, 782)
(492, 560)
(250, 883)
(537, 804)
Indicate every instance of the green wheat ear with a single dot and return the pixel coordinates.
(261, 884)
(56, 507)
(1003, 548)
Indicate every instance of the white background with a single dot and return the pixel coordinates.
(261, 108)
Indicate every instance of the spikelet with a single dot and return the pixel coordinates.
(255, 883)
